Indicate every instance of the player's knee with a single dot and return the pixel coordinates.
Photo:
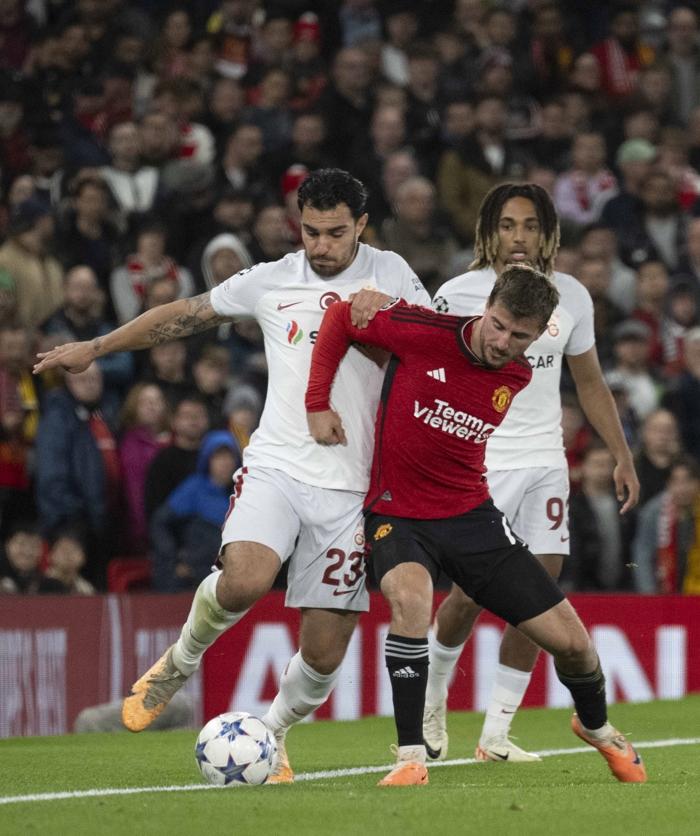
(410, 611)
(323, 660)
(243, 582)
(576, 651)
(460, 606)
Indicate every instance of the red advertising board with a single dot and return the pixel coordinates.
(59, 655)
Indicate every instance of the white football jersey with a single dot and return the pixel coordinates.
(288, 299)
(531, 434)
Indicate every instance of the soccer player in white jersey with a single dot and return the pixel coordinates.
(526, 466)
(293, 499)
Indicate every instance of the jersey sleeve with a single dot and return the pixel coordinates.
(399, 280)
(239, 294)
(335, 336)
(460, 296)
(582, 337)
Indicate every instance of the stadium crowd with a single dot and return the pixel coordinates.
(150, 149)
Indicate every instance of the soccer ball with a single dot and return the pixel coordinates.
(235, 748)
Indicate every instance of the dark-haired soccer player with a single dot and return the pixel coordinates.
(449, 384)
(525, 461)
(292, 499)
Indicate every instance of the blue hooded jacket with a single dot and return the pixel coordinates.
(198, 496)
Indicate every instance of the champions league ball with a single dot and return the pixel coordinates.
(235, 748)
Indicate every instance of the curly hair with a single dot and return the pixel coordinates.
(486, 243)
(325, 188)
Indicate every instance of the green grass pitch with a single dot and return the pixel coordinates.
(565, 794)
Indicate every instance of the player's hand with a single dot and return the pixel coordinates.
(626, 485)
(326, 427)
(365, 304)
(73, 357)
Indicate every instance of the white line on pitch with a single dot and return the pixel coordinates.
(311, 776)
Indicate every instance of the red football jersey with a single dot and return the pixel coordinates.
(438, 407)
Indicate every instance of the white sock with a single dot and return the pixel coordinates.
(602, 733)
(442, 663)
(509, 689)
(206, 621)
(302, 690)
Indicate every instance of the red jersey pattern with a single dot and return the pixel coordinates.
(438, 407)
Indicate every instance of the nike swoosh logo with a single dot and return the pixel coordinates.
(433, 754)
(564, 539)
(503, 711)
(281, 307)
(499, 755)
(343, 591)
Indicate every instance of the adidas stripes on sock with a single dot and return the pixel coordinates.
(407, 662)
(206, 621)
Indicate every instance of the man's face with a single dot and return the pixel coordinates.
(190, 420)
(222, 466)
(81, 290)
(683, 487)
(330, 238)
(24, 551)
(518, 233)
(504, 337)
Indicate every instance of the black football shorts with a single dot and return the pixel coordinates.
(476, 550)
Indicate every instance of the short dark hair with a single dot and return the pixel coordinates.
(486, 243)
(326, 188)
(526, 293)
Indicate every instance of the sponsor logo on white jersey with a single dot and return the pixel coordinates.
(437, 374)
(453, 421)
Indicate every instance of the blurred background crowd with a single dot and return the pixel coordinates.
(149, 149)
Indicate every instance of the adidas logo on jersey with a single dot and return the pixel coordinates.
(405, 673)
(437, 374)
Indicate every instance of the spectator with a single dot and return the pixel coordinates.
(210, 371)
(186, 529)
(181, 100)
(175, 462)
(652, 292)
(37, 276)
(232, 27)
(387, 134)
(240, 163)
(401, 24)
(19, 417)
(580, 192)
(396, 169)
(622, 55)
(457, 123)
(552, 143)
(78, 473)
(633, 159)
(686, 399)
(359, 22)
(594, 275)
(468, 172)
(308, 68)
(306, 147)
(598, 241)
(184, 205)
(129, 284)
(416, 234)
(167, 368)
(545, 67)
(159, 139)
(683, 58)
(660, 447)
(666, 549)
(225, 104)
(19, 565)
(657, 229)
(271, 235)
(423, 105)
(132, 185)
(79, 319)
(632, 350)
(598, 532)
(347, 102)
(271, 110)
(87, 234)
(242, 408)
(689, 261)
(170, 50)
(66, 558)
(144, 424)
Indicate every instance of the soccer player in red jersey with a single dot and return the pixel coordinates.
(449, 384)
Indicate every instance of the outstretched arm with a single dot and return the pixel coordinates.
(599, 406)
(162, 324)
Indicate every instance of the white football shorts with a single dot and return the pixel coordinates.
(535, 501)
(319, 530)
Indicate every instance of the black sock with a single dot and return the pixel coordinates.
(588, 692)
(407, 661)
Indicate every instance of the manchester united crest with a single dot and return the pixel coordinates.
(382, 531)
(501, 398)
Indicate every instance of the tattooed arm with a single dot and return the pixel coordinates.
(162, 324)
